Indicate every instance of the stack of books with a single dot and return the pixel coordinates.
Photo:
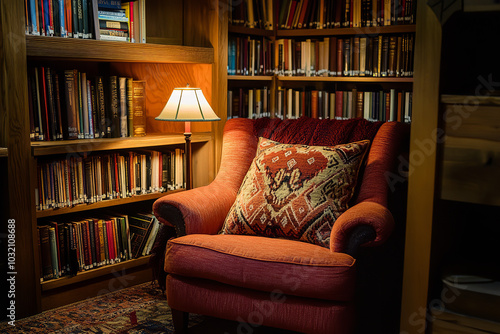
(116, 20)
(67, 248)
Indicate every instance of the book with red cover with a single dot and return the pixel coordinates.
(340, 56)
(339, 102)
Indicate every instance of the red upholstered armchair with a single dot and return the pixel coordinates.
(278, 282)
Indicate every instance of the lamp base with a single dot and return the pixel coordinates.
(188, 161)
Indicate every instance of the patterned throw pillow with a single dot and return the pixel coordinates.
(296, 191)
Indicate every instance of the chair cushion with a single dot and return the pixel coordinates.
(296, 191)
(265, 264)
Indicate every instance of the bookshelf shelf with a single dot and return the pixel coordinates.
(94, 50)
(94, 273)
(43, 148)
(250, 77)
(102, 204)
(409, 28)
(4, 152)
(250, 31)
(345, 79)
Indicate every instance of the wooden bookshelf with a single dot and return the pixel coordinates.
(43, 148)
(345, 79)
(235, 29)
(93, 50)
(193, 60)
(365, 31)
(94, 273)
(250, 77)
(102, 204)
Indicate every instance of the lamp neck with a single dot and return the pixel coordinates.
(187, 128)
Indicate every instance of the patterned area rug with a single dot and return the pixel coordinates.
(140, 309)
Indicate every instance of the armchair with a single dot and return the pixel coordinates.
(277, 282)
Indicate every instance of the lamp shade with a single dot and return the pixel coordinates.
(187, 104)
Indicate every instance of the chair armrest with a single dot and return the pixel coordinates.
(365, 213)
(200, 210)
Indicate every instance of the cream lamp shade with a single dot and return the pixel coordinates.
(187, 104)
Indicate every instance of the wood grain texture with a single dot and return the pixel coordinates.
(249, 78)
(421, 176)
(4, 152)
(250, 31)
(471, 152)
(14, 97)
(92, 50)
(207, 25)
(347, 31)
(94, 273)
(161, 79)
(344, 79)
(96, 287)
(102, 204)
(107, 144)
(164, 22)
(451, 322)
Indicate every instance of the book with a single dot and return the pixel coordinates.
(139, 107)
(140, 227)
(123, 106)
(45, 251)
(114, 114)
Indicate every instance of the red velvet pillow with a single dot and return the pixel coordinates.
(296, 191)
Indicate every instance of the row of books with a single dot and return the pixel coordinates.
(78, 180)
(65, 248)
(123, 21)
(89, 19)
(389, 105)
(252, 13)
(322, 14)
(72, 105)
(376, 56)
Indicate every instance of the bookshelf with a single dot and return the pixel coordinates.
(186, 55)
(269, 39)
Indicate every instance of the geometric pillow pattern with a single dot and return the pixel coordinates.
(296, 191)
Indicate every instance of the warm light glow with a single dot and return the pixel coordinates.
(187, 104)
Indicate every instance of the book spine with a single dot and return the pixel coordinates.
(52, 117)
(139, 107)
(114, 107)
(53, 252)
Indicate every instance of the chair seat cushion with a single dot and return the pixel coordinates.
(266, 264)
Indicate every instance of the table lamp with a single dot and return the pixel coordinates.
(187, 105)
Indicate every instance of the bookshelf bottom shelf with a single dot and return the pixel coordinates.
(94, 283)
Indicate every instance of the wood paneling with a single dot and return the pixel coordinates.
(14, 110)
(161, 79)
(207, 26)
(422, 171)
(164, 22)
